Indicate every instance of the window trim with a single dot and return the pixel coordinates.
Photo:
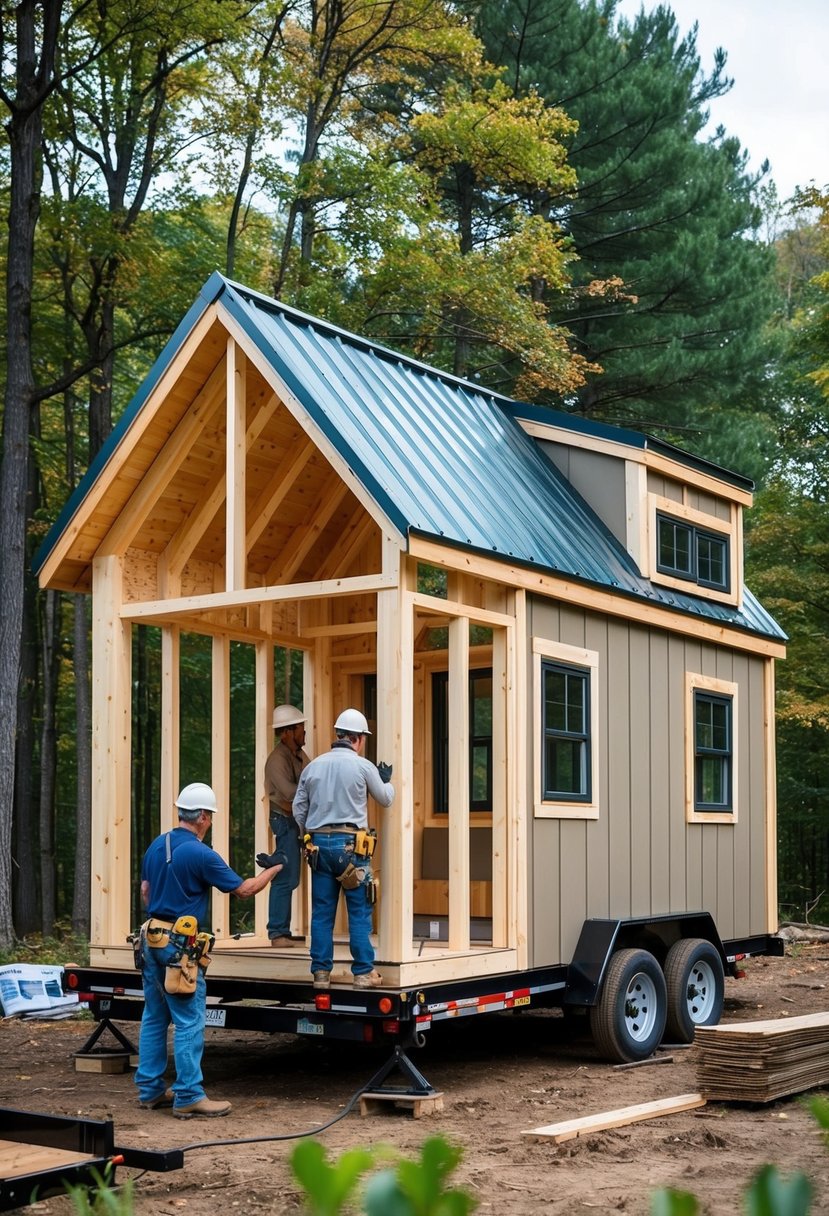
(708, 685)
(695, 534)
(560, 654)
(700, 523)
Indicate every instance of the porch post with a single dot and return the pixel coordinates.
(395, 713)
(111, 756)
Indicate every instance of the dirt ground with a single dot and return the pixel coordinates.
(500, 1075)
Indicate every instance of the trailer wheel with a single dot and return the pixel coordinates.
(695, 982)
(629, 1019)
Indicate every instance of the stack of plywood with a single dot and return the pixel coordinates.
(761, 1061)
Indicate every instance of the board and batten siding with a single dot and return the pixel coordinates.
(640, 856)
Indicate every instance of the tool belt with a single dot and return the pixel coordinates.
(365, 839)
(157, 932)
(192, 950)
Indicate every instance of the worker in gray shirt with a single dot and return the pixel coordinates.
(331, 807)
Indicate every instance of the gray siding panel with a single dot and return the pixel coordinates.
(641, 857)
(598, 478)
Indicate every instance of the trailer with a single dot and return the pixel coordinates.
(625, 1028)
(544, 620)
(42, 1155)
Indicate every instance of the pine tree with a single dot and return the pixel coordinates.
(668, 213)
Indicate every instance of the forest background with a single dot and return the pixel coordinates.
(520, 191)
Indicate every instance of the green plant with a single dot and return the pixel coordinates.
(403, 1188)
(770, 1194)
(64, 947)
(104, 1200)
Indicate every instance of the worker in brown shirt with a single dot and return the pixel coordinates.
(282, 771)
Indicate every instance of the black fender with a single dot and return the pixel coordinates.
(600, 938)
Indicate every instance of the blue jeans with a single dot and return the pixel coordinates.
(332, 859)
(286, 838)
(187, 1014)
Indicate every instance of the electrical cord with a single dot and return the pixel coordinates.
(314, 1131)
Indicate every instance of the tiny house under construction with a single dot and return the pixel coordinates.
(543, 618)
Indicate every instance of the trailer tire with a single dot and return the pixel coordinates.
(695, 981)
(629, 1019)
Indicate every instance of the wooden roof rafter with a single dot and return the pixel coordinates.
(303, 540)
(357, 533)
(161, 473)
(270, 500)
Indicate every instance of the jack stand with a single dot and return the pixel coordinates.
(105, 1059)
(419, 1097)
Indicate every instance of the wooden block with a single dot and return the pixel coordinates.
(572, 1128)
(417, 1106)
(103, 1061)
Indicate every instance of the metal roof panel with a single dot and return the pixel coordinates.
(441, 456)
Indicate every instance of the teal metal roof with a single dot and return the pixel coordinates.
(440, 456)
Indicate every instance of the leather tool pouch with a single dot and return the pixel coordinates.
(180, 977)
(351, 876)
(157, 933)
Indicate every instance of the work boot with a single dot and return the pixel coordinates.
(159, 1101)
(205, 1108)
(282, 942)
(322, 979)
(371, 979)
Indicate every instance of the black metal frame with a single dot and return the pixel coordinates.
(95, 1137)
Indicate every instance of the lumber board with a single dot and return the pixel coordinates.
(584, 1126)
(763, 1061)
(18, 1159)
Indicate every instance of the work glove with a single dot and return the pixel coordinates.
(266, 860)
(385, 771)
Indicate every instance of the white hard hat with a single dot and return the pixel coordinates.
(197, 797)
(352, 722)
(287, 715)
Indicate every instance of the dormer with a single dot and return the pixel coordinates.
(679, 517)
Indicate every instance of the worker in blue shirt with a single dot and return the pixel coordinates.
(331, 806)
(177, 875)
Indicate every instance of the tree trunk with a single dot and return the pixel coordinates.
(26, 867)
(34, 75)
(48, 753)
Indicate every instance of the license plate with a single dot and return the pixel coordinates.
(214, 1017)
(521, 1000)
(304, 1026)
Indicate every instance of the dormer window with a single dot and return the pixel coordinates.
(687, 551)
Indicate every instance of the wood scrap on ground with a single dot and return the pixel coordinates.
(584, 1126)
(761, 1061)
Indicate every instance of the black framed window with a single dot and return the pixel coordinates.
(713, 752)
(480, 740)
(566, 729)
(686, 551)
